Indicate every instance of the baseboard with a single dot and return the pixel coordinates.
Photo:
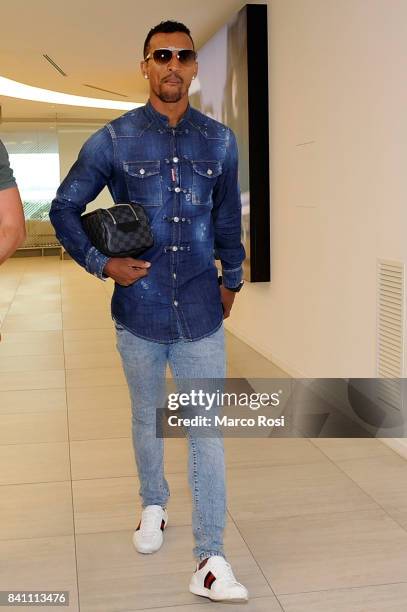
(265, 352)
(399, 445)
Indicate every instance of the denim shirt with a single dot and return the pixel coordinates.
(186, 178)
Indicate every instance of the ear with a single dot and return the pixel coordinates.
(143, 68)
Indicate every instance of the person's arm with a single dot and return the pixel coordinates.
(83, 183)
(227, 218)
(12, 224)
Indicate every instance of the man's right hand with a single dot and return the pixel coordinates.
(126, 270)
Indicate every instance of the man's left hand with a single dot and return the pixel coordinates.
(227, 298)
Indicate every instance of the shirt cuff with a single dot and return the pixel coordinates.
(232, 278)
(95, 262)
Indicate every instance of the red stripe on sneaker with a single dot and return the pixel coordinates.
(202, 563)
(162, 525)
(209, 580)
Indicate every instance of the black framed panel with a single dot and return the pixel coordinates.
(232, 87)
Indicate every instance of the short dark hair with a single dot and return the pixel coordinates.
(166, 27)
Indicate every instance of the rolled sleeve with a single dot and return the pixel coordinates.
(95, 263)
(232, 278)
(227, 218)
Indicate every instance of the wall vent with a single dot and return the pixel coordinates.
(390, 319)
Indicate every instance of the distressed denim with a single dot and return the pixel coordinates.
(186, 177)
(144, 364)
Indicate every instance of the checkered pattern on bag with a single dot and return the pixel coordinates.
(124, 235)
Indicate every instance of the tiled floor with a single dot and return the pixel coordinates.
(313, 525)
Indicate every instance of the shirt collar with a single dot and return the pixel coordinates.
(154, 114)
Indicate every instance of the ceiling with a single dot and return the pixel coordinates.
(94, 42)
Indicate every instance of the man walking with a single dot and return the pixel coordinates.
(182, 167)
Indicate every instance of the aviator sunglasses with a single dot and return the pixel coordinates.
(164, 56)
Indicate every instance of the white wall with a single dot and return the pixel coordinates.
(337, 79)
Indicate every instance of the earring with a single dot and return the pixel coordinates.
(146, 76)
(193, 76)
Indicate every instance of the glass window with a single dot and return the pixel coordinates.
(34, 158)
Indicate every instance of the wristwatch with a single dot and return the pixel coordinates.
(234, 289)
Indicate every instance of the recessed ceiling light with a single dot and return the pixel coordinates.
(14, 89)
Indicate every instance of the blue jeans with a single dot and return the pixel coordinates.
(144, 364)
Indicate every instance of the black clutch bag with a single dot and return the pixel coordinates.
(120, 231)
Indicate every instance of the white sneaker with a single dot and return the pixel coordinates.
(214, 578)
(148, 536)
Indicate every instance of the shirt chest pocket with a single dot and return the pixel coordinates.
(204, 177)
(144, 182)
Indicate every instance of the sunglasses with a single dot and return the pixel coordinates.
(163, 56)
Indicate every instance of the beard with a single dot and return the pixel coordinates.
(170, 94)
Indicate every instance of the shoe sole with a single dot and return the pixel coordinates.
(146, 552)
(203, 592)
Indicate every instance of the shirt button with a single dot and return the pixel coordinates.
(209, 171)
(176, 219)
(177, 189)
(174, 275)
(175, 303)
(175, 160)
(142, 171)
(175, 248)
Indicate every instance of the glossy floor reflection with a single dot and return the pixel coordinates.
(313, 525)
